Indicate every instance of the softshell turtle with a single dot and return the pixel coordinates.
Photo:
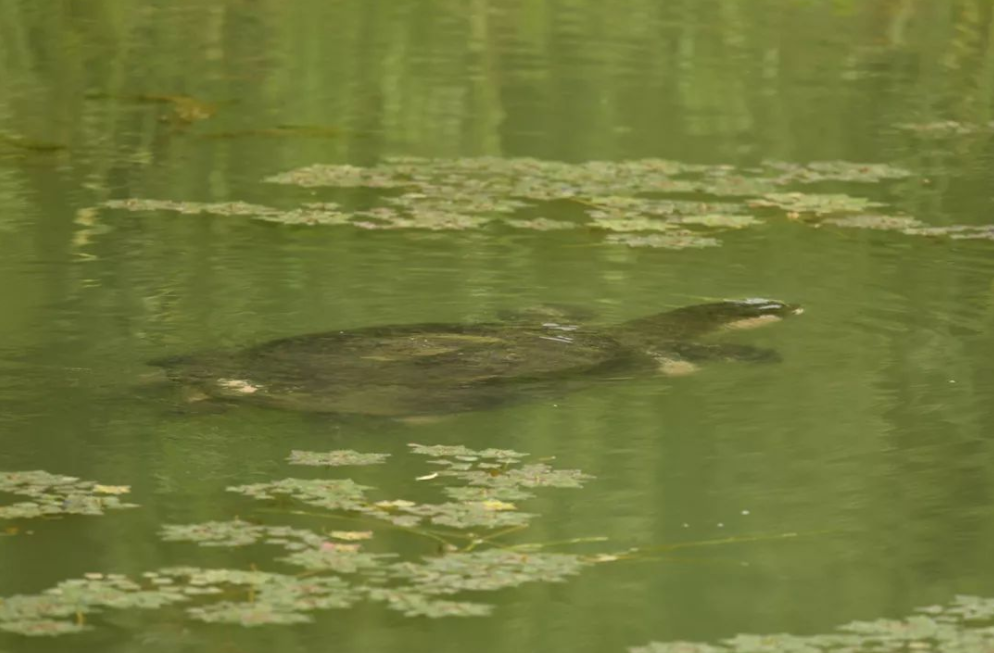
(432, 369)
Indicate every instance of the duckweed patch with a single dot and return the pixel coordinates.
(335, 568)
(651, 203)
(50, 495)
(966, 625)
(336, 458)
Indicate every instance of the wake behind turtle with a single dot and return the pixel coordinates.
(432, 369)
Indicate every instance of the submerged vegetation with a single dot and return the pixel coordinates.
(641, 203)
(337, 569)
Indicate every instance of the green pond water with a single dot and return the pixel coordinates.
(871, 440)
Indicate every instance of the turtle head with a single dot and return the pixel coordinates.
(749, 313)
(691, 322)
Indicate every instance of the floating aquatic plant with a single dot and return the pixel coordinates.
(462, 453)
(817, 204)
(821, 171)
(336, 494)
(52, 494)
(489, 570)
(416, 604)
(338, 568)
(336, 458)
(641, 203)
(966, 625)
(882, 222)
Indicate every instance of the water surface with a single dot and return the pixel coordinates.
(871, 439)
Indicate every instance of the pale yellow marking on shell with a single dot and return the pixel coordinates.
(671, 367)
(752, 322)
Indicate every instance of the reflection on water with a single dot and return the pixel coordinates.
(870, 439)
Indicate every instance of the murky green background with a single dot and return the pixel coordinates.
(873, 438)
